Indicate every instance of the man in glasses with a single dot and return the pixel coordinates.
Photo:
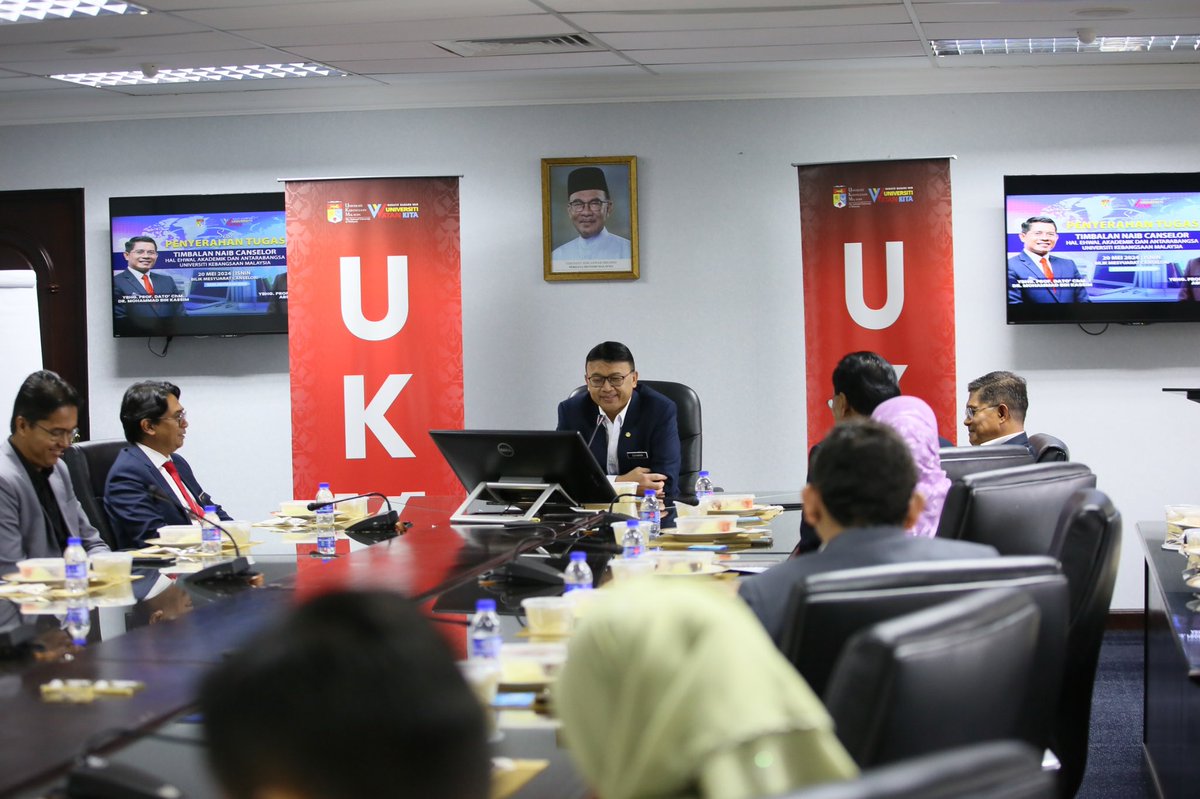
(144, 299)
(38, 507)
(632, 430)
(996, 408)
(150, 485)
(589, 205)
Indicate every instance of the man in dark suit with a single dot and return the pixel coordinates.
(996, 408)
(640, 442)
(149, 485)
(38, 507)
(1190, 291)
(1034, 274)
(144, 301)
(860, 497)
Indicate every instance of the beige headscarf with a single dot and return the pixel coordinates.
(673, 689)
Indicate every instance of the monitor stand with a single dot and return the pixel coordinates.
(507, 502)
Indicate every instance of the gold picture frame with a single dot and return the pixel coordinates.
(598, 238)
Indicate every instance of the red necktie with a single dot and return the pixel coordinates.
(150, 291)
(1049, 273)
(169, 466)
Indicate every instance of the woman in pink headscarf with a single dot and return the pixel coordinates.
(913, 419)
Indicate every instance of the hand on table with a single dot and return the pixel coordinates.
(644, 478)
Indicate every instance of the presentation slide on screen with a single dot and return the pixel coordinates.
(1125, 247)
(220, 264)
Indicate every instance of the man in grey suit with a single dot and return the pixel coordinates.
(144, 301)
(860, 497)
(38, 508)
(1034, 275)
(996, 408)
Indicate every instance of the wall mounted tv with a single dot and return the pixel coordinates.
(1122, 248)
(217, 265)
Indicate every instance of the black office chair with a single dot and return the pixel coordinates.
(957, 673)
(961, 461)
(993, 770)
(89, 462)
(1089, 546)
(687, 408)
(1048, 449)
(1015, 510)
(826, 610)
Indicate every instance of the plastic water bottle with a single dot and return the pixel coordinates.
(704, 485)
(79, 620)
(210, 536)
(485, 632)
(75, 559)
(578, 575)
(650, 511)
(632, 544)
(326, 533)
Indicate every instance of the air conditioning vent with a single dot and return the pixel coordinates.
(522, 45)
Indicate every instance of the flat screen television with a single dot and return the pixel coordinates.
(1123, 248)
(217, 267)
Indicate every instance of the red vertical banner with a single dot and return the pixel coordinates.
(878, 249)
(374, 332)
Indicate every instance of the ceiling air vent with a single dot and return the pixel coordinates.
(522, 45)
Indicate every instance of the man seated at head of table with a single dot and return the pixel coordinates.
(150, 485)
(38, 507)
(671, 690)
(640, 438)
(861, 497)
(353, 695)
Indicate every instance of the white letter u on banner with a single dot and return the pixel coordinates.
(397, 293)
(871, 318)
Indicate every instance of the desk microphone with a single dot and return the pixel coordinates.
(238, 566)
(378, 523)
(596, 429)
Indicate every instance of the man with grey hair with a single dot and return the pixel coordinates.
(996, 407)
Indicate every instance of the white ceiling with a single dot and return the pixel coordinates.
(650, 50)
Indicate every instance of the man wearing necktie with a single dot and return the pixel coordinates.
(149, 484)
(144, 301)
(1034, 275)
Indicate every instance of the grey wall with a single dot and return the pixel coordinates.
(719, 304)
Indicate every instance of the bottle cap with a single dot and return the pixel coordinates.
(631, 523)
(210, 509)
(322, 485)
(578, 556)
(650, 492)
(704, 473)
(485, 605)
(74, 541)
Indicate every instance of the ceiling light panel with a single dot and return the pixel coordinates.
(201, 74)
(12, 11)
(1066, 44)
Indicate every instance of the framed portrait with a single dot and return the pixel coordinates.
(589, 218)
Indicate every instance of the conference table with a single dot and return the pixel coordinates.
(434, 562)
(1171, 726)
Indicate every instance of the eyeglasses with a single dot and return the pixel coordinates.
(598, 381)
(179, 417)
(60, 432)
(972, 411)
(576, 206)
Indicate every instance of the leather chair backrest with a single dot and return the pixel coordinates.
(993, 770)
(691, 440)
(1015, 510)
(1048, 449)
(1089, 550)
(960, 461)
(88, 463)
(952, 674)
(826, 610)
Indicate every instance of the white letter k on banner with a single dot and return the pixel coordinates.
(360, 416)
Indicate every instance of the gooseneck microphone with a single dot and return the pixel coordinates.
(596, 429)
(377, 523)
(237, 566)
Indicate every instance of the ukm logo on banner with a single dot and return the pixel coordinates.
(879, 276)
(375, 336)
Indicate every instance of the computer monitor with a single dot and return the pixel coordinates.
(522, 469)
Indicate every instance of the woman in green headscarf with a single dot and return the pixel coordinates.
(673, 689)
